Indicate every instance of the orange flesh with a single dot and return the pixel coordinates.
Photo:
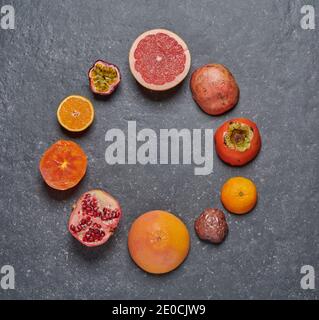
(75, 113)
(63, 165)
(158, 242)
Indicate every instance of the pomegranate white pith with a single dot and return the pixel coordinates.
(94, 218)
(168, 85)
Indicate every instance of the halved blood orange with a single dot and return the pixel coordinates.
(75, 113)
(159, 59)
(63, 165)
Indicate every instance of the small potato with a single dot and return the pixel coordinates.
(214, 89)
(212, 226)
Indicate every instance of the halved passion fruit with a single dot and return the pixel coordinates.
(104, 78)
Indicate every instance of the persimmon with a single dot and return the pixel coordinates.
(158, 242)
(237, 141)
(75, 113)
(239, 195)
(63, 165)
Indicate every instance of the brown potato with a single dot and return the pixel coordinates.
(214, 89)
(212, 226)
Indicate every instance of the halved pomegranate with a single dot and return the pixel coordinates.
(94, 218)
(104, 78)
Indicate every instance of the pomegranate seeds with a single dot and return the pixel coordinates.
(95, 217)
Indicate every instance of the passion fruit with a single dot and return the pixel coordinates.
(104, 78)
(212, 226)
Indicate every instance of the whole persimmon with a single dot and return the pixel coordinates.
(239, 195)
(63, 165)
(238, 141)
(158, 242)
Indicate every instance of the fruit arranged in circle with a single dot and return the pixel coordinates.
(158, 242)
(104, 78)
(63, 165)
(239, 195)
(75, 113)
(94, 218)
(212, 226)
(237, 141)
(159, 59)
(214, 89)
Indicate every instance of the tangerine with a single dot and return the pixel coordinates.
(239, 195)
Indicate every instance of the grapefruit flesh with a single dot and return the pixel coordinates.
(159, 59)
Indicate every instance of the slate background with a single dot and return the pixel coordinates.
(276, 65)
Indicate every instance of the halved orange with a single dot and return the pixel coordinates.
(75, 113)
(63, 165)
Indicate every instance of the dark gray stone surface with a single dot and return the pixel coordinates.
(276, 65)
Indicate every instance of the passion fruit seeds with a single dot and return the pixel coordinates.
(104, 78)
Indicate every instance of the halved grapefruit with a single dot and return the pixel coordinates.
(159, 59)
